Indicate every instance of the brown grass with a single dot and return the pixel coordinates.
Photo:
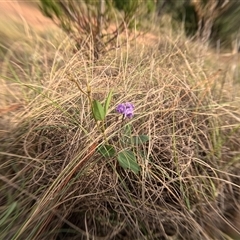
(54, 185)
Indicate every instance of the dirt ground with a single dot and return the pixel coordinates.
(29, 12)
(25, 11)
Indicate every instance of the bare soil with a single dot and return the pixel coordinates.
(25, 11)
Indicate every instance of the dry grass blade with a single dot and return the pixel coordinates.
(55, 185)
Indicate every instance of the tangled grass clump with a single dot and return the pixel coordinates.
(55, 185)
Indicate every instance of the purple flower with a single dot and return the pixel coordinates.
(121, 108)
(128, 113)
(126, 109)
(129, 105)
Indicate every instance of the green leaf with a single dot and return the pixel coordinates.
(107, 150)
(127, 160)
(128, 130)
(98, 111)
(7, 213)
(107, 102)
(50, 8)
(137, 140)
(56, 9)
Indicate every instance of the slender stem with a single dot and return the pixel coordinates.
(104, 131)
(101, 127)
(78, 85)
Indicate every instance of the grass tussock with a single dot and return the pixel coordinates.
(55, 185)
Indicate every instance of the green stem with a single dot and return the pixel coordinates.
(104, 131)
(101, 127)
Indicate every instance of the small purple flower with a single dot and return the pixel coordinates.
(129, 105)
(126, 109)
(121, 108)
(129, 113)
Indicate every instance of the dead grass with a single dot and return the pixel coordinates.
(53, 183)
